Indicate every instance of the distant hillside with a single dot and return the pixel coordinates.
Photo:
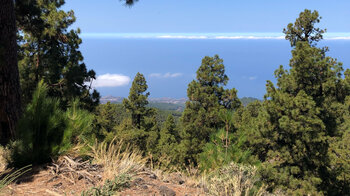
(111, 99)
(180, 101)
(167, 106)
(246, 100)
(166, 103)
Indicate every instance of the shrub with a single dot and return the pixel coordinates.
(45, 131)
(79, 127)
(218, 152)
(41, 129)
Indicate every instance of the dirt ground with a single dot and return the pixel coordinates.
(42, 181)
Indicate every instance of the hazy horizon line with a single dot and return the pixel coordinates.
(251, 36)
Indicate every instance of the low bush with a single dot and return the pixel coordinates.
(45, 131)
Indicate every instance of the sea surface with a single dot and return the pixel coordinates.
(248, 63)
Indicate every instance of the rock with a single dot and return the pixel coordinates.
(57, 185)
(153, 176)
(165, 191)
(137, 182)
(144, 186)
(176, 178)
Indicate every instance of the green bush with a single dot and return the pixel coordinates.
(45, 131)
(218, 153)
(40, 130)
(79, 127)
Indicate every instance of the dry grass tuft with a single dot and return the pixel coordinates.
(233, 179)
(4, 158)
(117, 159)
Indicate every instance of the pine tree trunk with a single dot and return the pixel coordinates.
(10, 103)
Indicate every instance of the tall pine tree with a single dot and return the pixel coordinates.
(49, 51)
(141, 128)
(299, 116)
(207, 97)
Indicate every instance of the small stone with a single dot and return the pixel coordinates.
(165, 191)
(57, 185)
(153, 176)
(136, 182)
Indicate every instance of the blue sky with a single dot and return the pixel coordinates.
(203, 16)
(166, 40)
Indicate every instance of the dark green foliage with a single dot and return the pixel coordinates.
(295, 143)
(247, 100)
(162, 115)
(40, 130)
(141, 128)
(167, 106)
(137, 101)
(45, 131)
(304, 28)
(79, 127)
(49, 51)
(168, 141)
(107, 117)
(217, 154)
(340, 155)
(207, 97)
(292, 130)
(225, 146)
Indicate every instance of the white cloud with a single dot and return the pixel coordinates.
(252, 77)
(182, 37)
(111, 80)
(337, 38)
(166, 75)
(249, 77)
(248, 37)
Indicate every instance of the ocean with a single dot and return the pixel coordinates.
(249, 63)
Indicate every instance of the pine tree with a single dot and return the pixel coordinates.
(299, 116)
(167, 143)
(106, 117)
(50, 51)
(137, 101)
(142, 125)
(10, 89)
(207, 97)
(304, 28)
(225, 146)
(340, 155)
(10, 92)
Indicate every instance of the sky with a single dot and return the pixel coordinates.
(165, 40)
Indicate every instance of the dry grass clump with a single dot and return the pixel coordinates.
(4, 158)
(233, 179)
(117, 159)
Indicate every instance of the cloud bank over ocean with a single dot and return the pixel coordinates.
(232, 36)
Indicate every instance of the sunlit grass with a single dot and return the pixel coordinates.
(117, 158)
(9, 178)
